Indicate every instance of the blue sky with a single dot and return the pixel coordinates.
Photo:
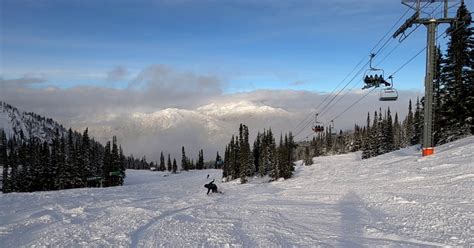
(249, 45)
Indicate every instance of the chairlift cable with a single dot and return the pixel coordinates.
(353, 104)
(327, 96)
(412, 58)
(357, 65)
(325, 109)
(391, 75)
(345, 86)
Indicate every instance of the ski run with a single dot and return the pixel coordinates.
(399, 199)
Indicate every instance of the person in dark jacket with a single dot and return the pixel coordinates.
(211, 187)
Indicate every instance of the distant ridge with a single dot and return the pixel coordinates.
(24, 125)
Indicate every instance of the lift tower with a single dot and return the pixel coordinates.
(431, 21)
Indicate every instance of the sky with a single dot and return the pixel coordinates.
(270, 44)
(77, 60)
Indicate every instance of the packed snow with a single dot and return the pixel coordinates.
(398, 200)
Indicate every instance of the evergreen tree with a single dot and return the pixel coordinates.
(218, 163)
(308, 159)
(121, 166)
(417, 124)
(378, 129)
(175, 166)
(457, 83)
(367, 150)
(437, 96)
(115, 163)
(71, 161)
(54, 164)
(13, 163)
(358, 135)
(44, 162)
(317, 146)
(4, 161)
(270, 159)
(162, 162)
(291, 146)
(398, 134)
(235, 161)
(87, 170)
(409, 126)
(170, 166)
(245, 155)
(107, 165)
(184, 160)
(388, 133)
(61, 176)
(200, 162)
(329, 140)
(257, 149)
(225, 168)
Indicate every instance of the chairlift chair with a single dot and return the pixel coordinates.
(318, 127)
(374, 77)
(389, 93)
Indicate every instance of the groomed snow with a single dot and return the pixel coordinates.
(397, 200)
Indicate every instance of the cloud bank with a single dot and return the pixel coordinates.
(163, 109)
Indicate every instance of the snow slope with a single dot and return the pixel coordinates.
(395, 200)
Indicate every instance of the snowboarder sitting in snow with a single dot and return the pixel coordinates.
(211, 186)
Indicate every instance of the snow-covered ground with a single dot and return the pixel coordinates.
(397, 200)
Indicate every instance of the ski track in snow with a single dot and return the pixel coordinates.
(395, 200)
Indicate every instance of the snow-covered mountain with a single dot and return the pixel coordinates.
(24, 125)
(208, 127)
(399, 199)
(233, 109)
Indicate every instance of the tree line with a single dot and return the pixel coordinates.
(382, 133)
(71, 160)
(169, 165)
(264, 158)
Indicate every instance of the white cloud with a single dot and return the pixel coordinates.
(164, 109)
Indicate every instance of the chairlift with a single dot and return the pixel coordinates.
(318, 127)
(332, 129)
(389, 93)
(374, 77)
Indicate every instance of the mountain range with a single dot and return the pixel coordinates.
(208, 127)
